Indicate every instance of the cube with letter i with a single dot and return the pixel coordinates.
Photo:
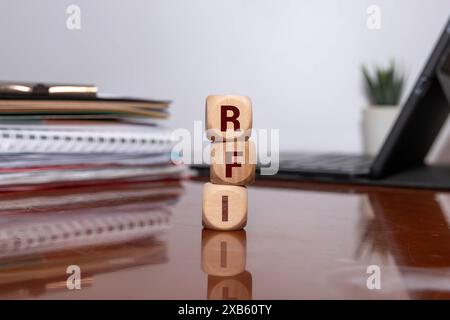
(224, 207)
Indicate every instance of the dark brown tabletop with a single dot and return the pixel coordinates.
(302, 241)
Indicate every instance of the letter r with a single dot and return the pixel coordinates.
(224, 118)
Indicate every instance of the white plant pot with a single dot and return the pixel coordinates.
(376, 124)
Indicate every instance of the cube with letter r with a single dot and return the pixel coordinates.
(228, 118)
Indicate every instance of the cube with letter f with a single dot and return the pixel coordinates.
(228, 118)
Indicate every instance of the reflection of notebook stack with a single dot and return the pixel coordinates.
(44, 231)
(47, 220)
(66, 135)
(47, 274)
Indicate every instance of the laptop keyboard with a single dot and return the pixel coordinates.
(331, 163)
(325, 163)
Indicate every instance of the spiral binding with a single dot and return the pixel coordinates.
(14, 139)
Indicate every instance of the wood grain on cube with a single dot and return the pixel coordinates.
(238, 287)
(233, 163)
(223, 253)
(228, 117)
(224, 207)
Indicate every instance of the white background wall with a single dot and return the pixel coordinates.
(299, 61)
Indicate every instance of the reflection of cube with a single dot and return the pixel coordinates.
(224, 207)
(223, 253)
(237, 287)
(233, 163)
(228, 118)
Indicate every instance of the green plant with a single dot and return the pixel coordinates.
(385, 87)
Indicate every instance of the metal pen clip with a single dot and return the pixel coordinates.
(45, 89)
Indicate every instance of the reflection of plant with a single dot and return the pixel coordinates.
(385, 86)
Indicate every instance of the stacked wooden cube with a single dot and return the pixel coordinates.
(233, 162)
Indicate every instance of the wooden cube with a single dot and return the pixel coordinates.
(223, 253)
(224, 207)
(228, 118)
(237, 287)
(233, 163)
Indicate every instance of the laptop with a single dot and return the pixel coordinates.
(401, 160)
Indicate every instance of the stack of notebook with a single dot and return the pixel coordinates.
(84, 180)
(64, 135)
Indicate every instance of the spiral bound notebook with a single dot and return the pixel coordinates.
(84, 139)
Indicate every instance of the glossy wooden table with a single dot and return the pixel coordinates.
(302, 241)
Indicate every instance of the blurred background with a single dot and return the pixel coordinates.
(299, 61)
